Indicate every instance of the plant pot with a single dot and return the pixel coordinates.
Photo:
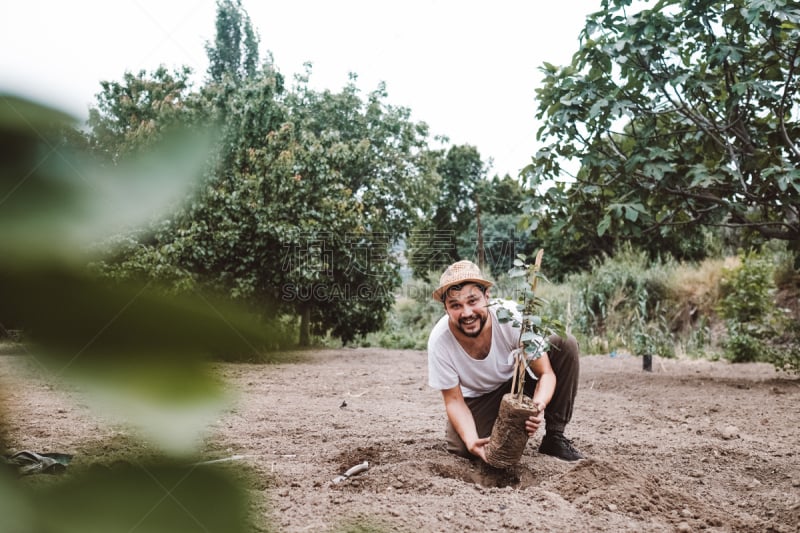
(509, 437)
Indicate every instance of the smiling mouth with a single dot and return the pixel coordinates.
(468, 321)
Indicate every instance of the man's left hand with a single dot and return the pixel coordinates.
(534, 421)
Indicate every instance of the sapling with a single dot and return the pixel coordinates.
(509, 437)
(531, 341)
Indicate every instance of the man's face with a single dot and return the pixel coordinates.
(467, 309)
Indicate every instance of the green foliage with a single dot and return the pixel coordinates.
(234, 54)
(141, 350)
(304, 197)
(433, 244)
(698, 343)
(502, 242)
(618, 292)
(564, 218)
(138, 354)
(747, 305)
(410, 319)
(621, 303)
(503, 237)
(500, 196)
(787, 356)
(135, 114)
(679, 115)
(533, 328)
(71, 198)
(629, 303)
(747, 290)
(161, 496)
(407, 325)
(744, 343)
(787, 273)
(653, 337)
(466, 199)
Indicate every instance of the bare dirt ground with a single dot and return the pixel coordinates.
(692, 446)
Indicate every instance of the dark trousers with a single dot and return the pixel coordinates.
(564, 357)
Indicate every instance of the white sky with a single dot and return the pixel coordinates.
(468, 68)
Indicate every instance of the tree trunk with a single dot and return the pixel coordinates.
(305, 327)
(481, 251)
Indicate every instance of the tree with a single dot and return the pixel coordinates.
(305, 194)
(504, 238)
(434, 241)
(501, 196)
(380, 155)
(680, 115)
(366, 172)
(568, 229)
(234, 54)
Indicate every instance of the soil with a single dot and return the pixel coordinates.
(690, 446)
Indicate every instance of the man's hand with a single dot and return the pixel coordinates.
(534, 421)
(461, 417)
(478, 448)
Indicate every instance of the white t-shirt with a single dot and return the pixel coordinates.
(449, 365)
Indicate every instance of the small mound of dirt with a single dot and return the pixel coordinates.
(613, 484)
(619, 488)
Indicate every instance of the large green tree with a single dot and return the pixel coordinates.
(305, 194)
(674, 115)
(348, 176)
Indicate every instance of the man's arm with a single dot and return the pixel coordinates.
(545, 387)
(461, 417)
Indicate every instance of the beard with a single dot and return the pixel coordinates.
(481, 323)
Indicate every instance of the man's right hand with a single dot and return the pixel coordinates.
(478, 448)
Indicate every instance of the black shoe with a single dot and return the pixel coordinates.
(557, 445)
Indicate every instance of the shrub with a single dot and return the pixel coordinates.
(745, 296)
(620, 300)
(651, 337)
(757, 330)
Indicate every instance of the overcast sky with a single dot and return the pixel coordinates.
(468, 68)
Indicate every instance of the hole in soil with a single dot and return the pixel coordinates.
(355, 456)
(485, 475)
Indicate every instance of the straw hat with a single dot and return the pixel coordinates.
(459, 273)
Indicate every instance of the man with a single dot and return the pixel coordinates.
(468, 360)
